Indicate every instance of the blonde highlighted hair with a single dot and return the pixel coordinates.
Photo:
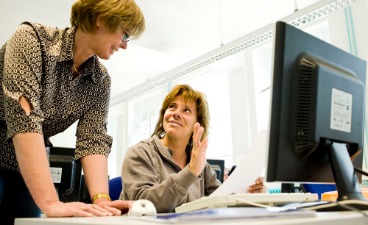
(115, 14)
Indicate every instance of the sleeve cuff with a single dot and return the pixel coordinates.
(186, 178)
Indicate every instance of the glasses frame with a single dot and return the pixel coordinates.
(126, 37)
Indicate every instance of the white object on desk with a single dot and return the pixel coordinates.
(246, 199)
(142, 207)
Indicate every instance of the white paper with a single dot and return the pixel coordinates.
(207, 215)
(250, 167)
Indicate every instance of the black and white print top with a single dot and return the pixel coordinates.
(36, 63)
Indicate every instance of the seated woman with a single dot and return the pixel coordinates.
(170, 168)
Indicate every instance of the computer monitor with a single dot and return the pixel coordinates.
(317, 113)
(218, 165)
(66, 173)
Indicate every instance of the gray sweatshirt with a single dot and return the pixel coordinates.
(149, 172)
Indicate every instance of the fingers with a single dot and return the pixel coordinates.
(121, 204)
(253, 189)
(113, 211)
(116, 207)
(197, 134)
(93, 210)
(258, 187)
(259, 180)
(103, 208)
(198, 155)
(199, 144)
(59, 209)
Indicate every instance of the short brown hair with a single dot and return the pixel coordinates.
(188, 94)
(114, 13)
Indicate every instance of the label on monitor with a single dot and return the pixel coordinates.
(341, 105)
(56, 174)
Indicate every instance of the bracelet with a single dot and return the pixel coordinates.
(100, 195)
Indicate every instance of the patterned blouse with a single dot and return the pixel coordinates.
(36, 63)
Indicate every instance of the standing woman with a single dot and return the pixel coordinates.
(170, 168)
(51, 78)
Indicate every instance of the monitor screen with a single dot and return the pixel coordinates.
(66, 173)
(317, 113)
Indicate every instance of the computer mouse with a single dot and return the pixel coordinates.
(142, 207)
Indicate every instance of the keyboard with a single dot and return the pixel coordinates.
(246, 199)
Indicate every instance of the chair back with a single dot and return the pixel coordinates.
(115, 188)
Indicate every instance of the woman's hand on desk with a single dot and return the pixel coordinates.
(80, 209)
(257, 187)
(116, 207)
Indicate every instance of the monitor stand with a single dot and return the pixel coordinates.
(347, 183)
(349, 193)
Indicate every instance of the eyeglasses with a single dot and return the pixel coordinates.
(125, 38)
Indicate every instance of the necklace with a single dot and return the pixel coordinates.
(74, 70)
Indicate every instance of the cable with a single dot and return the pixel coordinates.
(351, 208)
(361, 171)
(342, 204)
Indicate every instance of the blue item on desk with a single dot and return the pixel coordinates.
(235, 213)
(319, 188)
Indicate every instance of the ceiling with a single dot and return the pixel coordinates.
(177, 31)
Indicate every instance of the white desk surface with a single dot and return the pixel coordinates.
(323, 218)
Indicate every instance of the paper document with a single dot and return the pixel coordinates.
(250, 167)
(228, 213)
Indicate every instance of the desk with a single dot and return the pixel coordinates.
(323, 218)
